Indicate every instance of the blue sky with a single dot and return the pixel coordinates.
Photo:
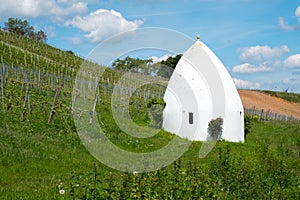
(257, 40)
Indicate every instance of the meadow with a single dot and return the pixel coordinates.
(42, 157)
(41, 161)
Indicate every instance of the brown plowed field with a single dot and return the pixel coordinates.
(259, 100)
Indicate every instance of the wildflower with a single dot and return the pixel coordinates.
(135, 172)
(62, 191)
(77, 185)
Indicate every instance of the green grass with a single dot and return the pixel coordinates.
(38, 159)
(33, 163)
(288, 96)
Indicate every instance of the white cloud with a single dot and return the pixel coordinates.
(102, 24)
(292, 61)
(248, 68)
(37, 8)
(76, 8)
(157, 59)
(242, 84)
(262, 53)
(297, 12)
(285, 26)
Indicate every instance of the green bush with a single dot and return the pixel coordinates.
(215, 128)
(255, 118)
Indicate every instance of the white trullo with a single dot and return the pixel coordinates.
(201, 90)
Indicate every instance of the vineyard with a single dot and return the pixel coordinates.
(42, 157)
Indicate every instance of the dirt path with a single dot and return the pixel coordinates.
(264, 101)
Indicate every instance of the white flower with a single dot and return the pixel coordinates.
(62, 191)
(77, 185)
(135, 172)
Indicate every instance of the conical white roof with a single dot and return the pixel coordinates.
(200, 90)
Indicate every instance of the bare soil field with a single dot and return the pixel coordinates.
(259, 100)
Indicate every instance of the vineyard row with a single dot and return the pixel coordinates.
(91, 88)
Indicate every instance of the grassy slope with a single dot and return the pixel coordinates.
(34, 163)
(291, 97)
(35, 157)
(18, 46)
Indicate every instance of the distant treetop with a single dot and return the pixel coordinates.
(22, 27)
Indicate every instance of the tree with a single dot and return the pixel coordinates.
(40, 36)
(172, 61)
(18, 26)
(167, 66)
(215, 128)
(132, 64)
(164, 68)
(22, 27)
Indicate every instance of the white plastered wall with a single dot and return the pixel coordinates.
(201, 85)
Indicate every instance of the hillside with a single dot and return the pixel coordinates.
(52, 65)
(268, 102)
(43, 157)
(17, 50)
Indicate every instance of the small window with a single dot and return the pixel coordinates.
(191, 118)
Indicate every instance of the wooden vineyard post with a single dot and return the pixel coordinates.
(73, 104)
(2, 85)
(92, 114)
(261, 114)
(54, 103)
(25, 101)
(74, 98)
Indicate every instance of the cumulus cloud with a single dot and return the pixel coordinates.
(292, 61)
(297, 12)
(248, 68)
(262, 53)
(264, 58)
(285, 26)
(76, 8)
(157, 59)
(243, 84)
(102, 24)
(37, 8)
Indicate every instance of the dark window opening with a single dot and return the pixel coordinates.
(191, 118)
